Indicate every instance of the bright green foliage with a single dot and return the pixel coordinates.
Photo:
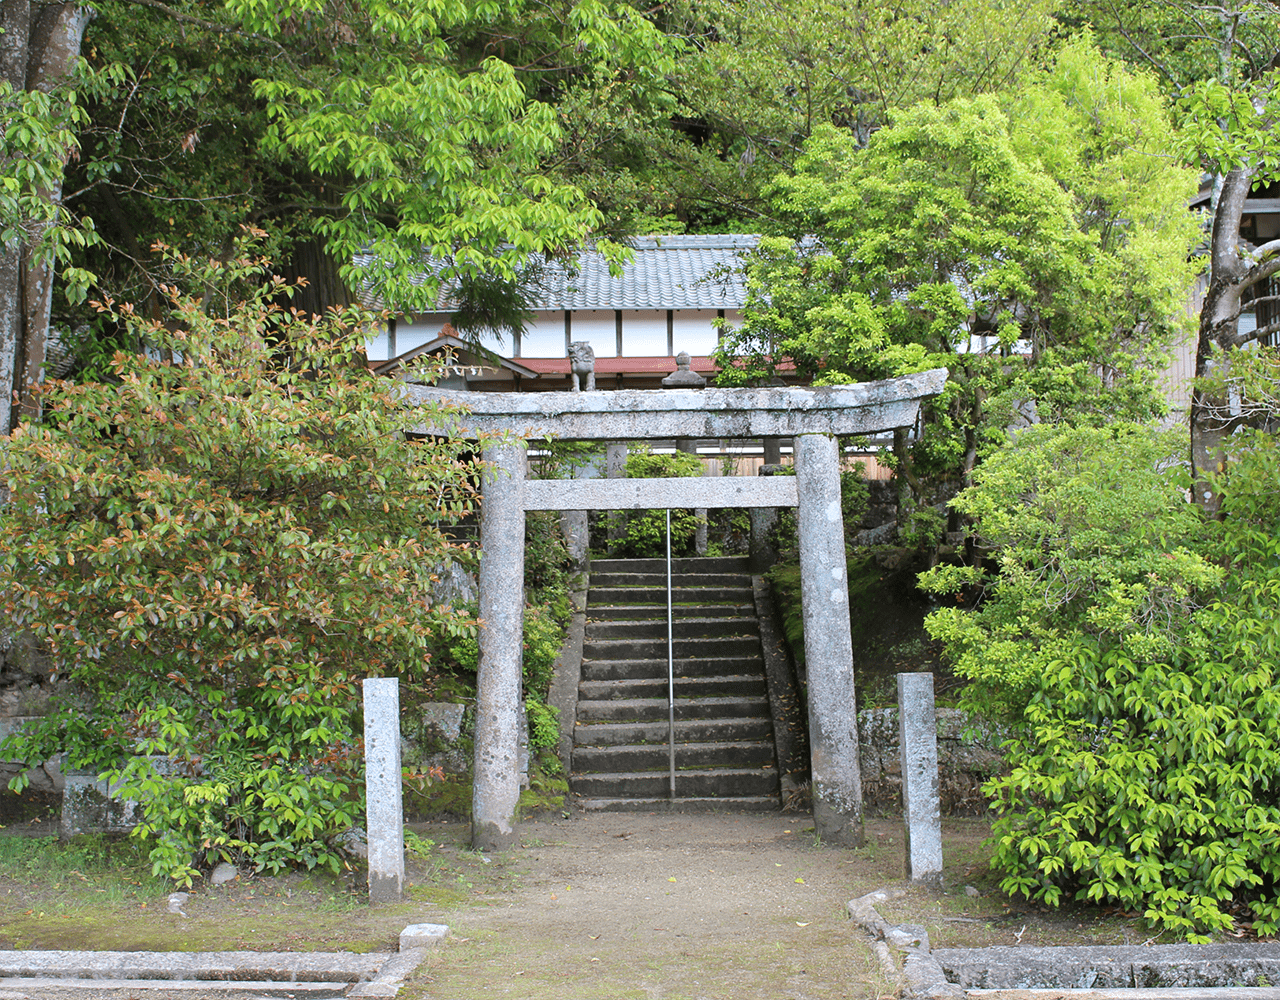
(760, 78)
(215, 548)
(1035, 244)
(38, 135)
(1092, 543)
(644, 532)
(1135, 651)
(474, 130)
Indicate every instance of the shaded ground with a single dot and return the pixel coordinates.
(669, 907)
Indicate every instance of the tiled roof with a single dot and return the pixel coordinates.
(668, 272)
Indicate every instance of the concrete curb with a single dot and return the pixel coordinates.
(1119, 972)
(278, 973)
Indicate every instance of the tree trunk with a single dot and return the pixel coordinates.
(40, 45)
(1219, 324)
(324, 286)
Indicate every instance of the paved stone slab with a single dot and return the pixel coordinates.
(392, 975)
(423, 935)
(109, 989)
(631, 414)
(657, 494)
(285, 966)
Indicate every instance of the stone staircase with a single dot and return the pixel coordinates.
(723, 728)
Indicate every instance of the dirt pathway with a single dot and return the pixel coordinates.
(667, 907)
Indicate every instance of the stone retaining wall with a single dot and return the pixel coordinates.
(968, 754)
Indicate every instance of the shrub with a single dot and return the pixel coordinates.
(1136, 650)
(644, 532)
(215, 547)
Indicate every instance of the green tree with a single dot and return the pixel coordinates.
(1132, 647)
(214, 548)
(39, 44)
(1034, 244)
(1220, 61)
(758, 79)
(362, 136)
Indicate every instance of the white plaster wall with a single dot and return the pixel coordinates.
(598, 328)
(543, 336)
(375, 348)
(692, 331)
(644, 333)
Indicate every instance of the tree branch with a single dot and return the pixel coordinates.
(222, 29)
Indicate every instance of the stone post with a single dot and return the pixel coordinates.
(384, 808)
(921, 809)
(690, 447)
(763, 520)
(615, 467)
(828, 645)
(497, 741)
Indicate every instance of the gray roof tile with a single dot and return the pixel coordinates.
(668, 272)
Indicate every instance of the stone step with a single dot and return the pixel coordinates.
(656, 648)
(686, 687)
(739, 803)
(644, 668)
(681, 628)
(680, 564)
(679, 581)
(713, 782)
(650, 709)
(658, 612)
(613, 734)
(693, 597)
(757, 754)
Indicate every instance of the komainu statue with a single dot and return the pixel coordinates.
(582, 367)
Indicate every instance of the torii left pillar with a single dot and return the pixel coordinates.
(497, 772)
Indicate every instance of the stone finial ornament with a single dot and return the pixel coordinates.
(684, 377)
(582, 367)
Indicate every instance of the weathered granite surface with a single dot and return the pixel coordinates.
(918, 743)
(632, 414)
(383, 789)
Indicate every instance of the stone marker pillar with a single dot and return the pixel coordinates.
(763, 521)
(497, 742)
(615, 467)
(921, 809)
(828, 644)
(384, 809)
(690, 447)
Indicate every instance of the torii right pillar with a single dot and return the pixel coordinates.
(828, 643)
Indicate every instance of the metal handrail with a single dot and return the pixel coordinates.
(671, 669)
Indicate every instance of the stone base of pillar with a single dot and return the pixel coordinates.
(490, 837)
(833, 824)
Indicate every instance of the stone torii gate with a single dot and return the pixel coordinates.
(811, 417)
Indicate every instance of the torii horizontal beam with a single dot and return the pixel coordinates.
(635, 414)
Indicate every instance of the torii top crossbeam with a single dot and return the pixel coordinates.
(634, 414)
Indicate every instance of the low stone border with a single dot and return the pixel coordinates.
(920, 976)
(375, 974)
(1118, 972)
